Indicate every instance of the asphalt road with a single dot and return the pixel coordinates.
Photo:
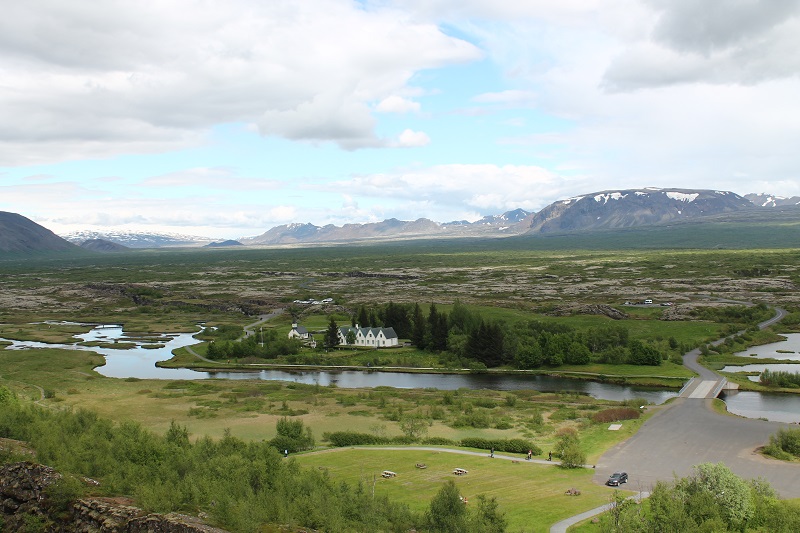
(687, 432)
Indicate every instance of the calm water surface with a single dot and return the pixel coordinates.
(790, 348)
(770, 405)
(139, 362)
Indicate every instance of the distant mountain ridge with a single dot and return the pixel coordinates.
(769, 200)
(223, 244)
(604, 210)
(387, 229)
(102, 245)
(633, 207)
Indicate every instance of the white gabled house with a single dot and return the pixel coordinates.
(298, 332)
(371, 337)
(301, 333)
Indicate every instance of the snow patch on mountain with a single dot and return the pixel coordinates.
(683, 197)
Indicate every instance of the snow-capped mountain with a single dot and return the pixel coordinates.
(633, 207)
(133, 239)
(771, 200)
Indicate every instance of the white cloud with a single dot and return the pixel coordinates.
(478, 188)
(720, 42)
(210, 178)
(83, 81)
(512, 98)
(410, 138)
(397, 104)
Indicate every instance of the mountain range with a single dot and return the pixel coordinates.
(605, 210)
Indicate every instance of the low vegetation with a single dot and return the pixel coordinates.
(784, 445)
(711, 499)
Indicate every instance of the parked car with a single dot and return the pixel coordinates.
(617, 479)
(648, 301)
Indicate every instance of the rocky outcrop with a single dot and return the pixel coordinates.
(24, 499)
(90, 515)
(588, 309)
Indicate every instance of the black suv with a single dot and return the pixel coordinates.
(617, 478)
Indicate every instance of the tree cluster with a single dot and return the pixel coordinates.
(241, 485)
(712, 499)
(784, 445)
(464, 334)
(274, 345)
(450, 513)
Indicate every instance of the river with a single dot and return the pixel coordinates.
(139, 362)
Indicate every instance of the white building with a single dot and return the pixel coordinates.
(298, 332)
(372, 337)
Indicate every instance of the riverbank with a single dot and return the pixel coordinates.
(667, 376)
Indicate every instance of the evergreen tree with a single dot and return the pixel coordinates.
(418, 329)
(441, 333)
(332, 335)
(363, 319)
(461, 319)
(396, 316)
(432, 327)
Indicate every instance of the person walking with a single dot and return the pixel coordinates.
(286, 453)
(549, 456)
(491, 452)
(530, 454)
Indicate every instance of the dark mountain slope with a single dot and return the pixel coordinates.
(20, 236)
(104, 246)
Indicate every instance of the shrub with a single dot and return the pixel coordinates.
(616, 413)
(501, 445)
(568, 449)
(439, 441)
(341, 439)
(780, 378)
(478, 419)
(786, 440)
(503, 424)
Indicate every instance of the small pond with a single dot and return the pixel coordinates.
(772, 406)
(788, 349)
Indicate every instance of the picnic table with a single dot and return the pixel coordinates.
(388, 473)
(459, 471)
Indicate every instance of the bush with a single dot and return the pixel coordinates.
(439, 441)
(501, 445)
(616, 413)
(479, 419)
(787, 441)
(340, 439)
(780, 378)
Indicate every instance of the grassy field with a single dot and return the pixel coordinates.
(531, 495)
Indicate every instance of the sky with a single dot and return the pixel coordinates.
(225, 118)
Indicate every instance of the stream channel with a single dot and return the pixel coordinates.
(139, 362)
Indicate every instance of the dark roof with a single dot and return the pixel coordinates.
(389, 333)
